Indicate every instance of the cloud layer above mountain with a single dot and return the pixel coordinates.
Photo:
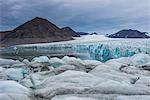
(103, 16)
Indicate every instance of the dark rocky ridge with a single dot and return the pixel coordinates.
(71, 31)
(129, 34)
(37, 30)
(83, 33)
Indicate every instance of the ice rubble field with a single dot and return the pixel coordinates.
(70, 78)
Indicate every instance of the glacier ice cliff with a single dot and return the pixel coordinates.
(101, 51)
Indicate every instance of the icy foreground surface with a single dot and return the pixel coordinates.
(96, 47)
(70, 78)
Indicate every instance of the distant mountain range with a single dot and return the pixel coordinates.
(37, 30)
(83, 33)
(129, 34)
(40, 30)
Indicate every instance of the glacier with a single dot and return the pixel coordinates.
(102, 51)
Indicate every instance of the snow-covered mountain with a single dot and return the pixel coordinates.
(129, 34)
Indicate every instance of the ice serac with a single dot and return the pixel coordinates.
(116, 49)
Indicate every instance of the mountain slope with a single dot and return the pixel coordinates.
(71, 31)
(37, 30)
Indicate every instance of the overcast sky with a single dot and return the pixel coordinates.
(102, 16)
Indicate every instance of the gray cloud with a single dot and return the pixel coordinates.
(103, 16)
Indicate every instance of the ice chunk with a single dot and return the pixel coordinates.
(115, 87)
(92, 62)
(13, 87)
(38, 66)
(123, 60)
(140, 59)
(18, 65)
(26, 61)
(134, 97)
(42, 59)
(14, 74)
(65, 68)
(78, 63)
(13, 96)
(134, 71)
(39, 77)
(7, 62)
(38, 63)
(67, 59)
(56, 62)
(72, 98)
(5, 97)
(2, 74)
(144, 81)
(115, 65)
(26, 82)
(146, 66)
(11, 90)
(108, 72)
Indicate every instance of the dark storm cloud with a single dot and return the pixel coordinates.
(103, 16)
